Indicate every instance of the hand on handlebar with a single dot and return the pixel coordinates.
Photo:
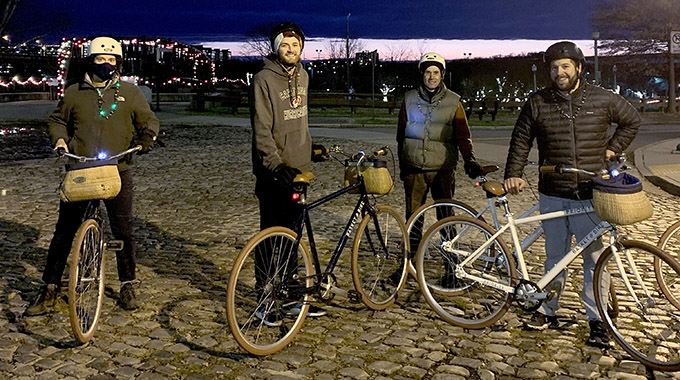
(60, 147)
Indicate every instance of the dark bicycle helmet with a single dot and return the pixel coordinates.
(284, 27)
(564, 49)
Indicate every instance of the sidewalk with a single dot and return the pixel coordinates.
(659, 163)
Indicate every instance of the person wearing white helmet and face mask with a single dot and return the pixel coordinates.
(432, 130)
(98, 114)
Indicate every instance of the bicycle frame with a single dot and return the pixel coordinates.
(305, 222)
(512, 224)
(598, 231)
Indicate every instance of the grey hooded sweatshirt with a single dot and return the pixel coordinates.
(279, 119)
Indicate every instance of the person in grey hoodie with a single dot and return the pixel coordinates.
(282, 145)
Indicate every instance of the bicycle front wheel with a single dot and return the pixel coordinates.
(465, 302)
(427, 215)
(86, 280)
(670, 244)
(379, 257)
(268, 279)
(648, 324)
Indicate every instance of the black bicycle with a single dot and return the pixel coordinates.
(87, 258)
(276, 271)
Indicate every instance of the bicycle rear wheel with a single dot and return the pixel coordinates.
(379, 255)
(86, 280)
(464, 302)
(670, 244)
(267, 279)
(648, 324)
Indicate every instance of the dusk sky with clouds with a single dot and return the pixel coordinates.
(229, 21)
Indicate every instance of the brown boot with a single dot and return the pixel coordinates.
(44, 302)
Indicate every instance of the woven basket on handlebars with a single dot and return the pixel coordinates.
(621, 200)
(377, 178)
(90, 180)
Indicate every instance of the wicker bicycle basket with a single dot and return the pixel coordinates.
(84, 181)
(621, 200)
(377, 178)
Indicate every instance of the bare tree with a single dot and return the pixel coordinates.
(257, 40)
(336, 48)
(423, 47)
(398, 52)
(7, 8)
(633, 26)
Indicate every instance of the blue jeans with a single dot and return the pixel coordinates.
(558, 233)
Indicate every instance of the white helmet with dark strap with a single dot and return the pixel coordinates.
(105, 45)
(429, 59)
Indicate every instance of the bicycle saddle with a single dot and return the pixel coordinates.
(305, 177)
(493, 187)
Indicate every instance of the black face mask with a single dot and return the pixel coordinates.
(103, 71)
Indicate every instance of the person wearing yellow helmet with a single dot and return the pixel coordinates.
(432, 130)
(99, 114)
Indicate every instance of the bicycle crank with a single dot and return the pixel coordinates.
(528, 295)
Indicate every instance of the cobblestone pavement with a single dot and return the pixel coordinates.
(195, 210)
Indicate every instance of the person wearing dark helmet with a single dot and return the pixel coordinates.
(282, 146)
(101, 113)
(570, 121)
(432, 129)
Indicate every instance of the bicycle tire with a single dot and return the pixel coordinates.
(428, 214)
(245, 299)
(648, 330)
(379, 255)
(86, 280)
(464, 302)
(670, 244)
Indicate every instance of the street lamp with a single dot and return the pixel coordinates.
(318, 54)
(347, 50)
(614, 71)
(533, 70)
(596, 36)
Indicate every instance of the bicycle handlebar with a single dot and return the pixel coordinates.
(618, 164)
(100, 157)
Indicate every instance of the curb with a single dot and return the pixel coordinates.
(659, 181)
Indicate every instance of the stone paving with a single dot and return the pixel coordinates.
(195, 210)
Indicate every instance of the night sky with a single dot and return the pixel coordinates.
(196, 21)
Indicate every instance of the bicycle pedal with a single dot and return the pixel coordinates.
(114, 245)
(353, 296)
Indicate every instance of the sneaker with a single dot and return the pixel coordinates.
(270, 318)
(44, 302)
(540, 322)
(126, 297)
(598, 335)
(313, 312)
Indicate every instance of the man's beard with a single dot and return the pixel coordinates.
(569, 86)
(289, 59)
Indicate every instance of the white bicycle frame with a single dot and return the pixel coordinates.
(598, 231)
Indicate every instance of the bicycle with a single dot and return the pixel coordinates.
(257, 310)
(487, 282)
(87, 265)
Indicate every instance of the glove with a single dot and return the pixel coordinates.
(319, 153)
(472, 168)
(285, 174)
(146, 140)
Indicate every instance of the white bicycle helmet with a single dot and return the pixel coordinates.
(432, 58)
(105, 45)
